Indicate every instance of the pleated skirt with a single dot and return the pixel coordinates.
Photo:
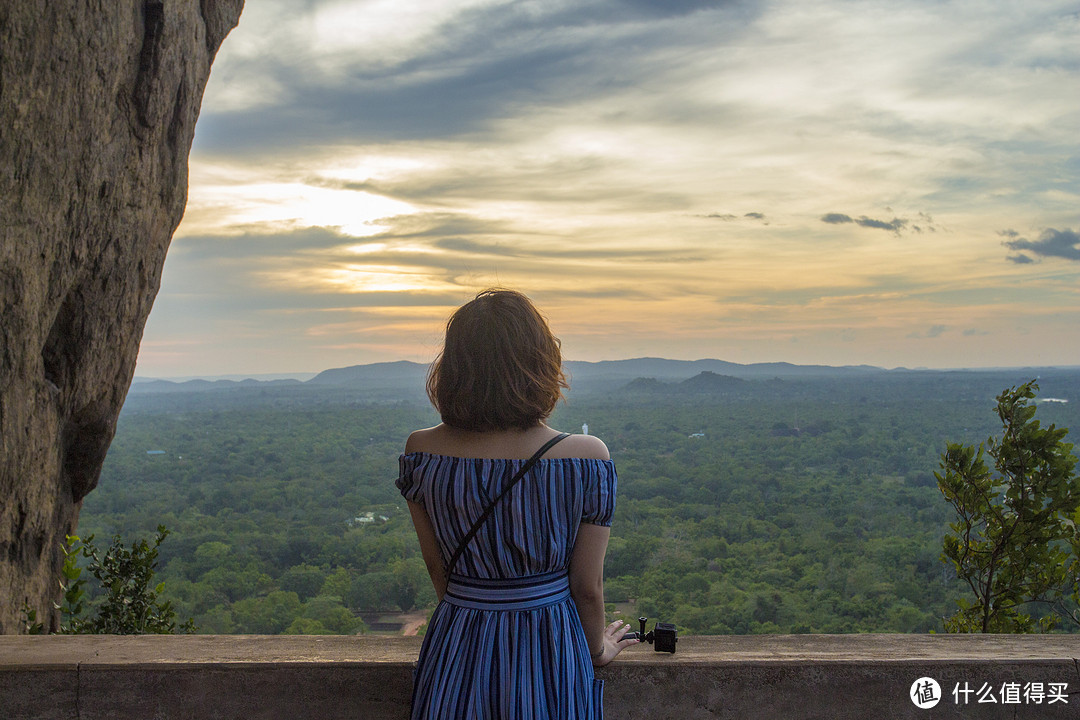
(506, 649)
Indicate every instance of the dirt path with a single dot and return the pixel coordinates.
(411, 624)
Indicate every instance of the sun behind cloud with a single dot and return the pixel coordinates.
(821, 182)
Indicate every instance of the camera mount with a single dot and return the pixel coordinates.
(662, 637)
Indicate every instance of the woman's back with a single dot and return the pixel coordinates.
(520, 622)
(531, 530)
(507, 640)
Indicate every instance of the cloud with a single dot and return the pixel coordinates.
(926, 223)
(459, 177)
(1051, 243)
(573, 147)
(249, 246)
(478, 65)
(514, 249)
(442, 225)
(895, 225)
(425, 258)
(731, 217)
(932, 332)
(464, 238)
(671, 8)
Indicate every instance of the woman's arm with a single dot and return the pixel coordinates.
(429, 547)
(587, 589)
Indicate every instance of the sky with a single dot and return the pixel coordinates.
(826, 182)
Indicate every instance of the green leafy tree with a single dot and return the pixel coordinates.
(305, 580)
(1010, 542)
(410, 579)
(328, 611)
(130, 603)
(337, 583)
(370, 592)
(269, 615)
(306, 626)
(1069, 607)
(71, 605)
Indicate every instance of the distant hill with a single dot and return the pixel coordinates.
(641, 380)
(149, 386)
(662, 368)
(386, 372)
(404, 380)
(590, 377)
(710, 382)
(611, 375)
(584, 376)
(647, 385)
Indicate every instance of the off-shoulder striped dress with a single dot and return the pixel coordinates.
(506, 641)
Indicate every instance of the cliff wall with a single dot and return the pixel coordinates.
(98, 102)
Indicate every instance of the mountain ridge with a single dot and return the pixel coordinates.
(404, 379)
(600, 375)
(619, 371)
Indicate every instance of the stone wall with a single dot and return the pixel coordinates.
(766, 677)
(98, 102)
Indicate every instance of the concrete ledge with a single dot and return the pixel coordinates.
(298, 677)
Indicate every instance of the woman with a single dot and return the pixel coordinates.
(520, 622)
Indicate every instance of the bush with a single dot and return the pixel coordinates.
(130, 604)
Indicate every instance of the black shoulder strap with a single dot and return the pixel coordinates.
(491, 506)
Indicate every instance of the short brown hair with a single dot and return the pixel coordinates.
(500, 366)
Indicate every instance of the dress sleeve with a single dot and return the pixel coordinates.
(599, 482)
(408, 481)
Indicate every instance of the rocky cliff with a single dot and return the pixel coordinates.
(98, 102)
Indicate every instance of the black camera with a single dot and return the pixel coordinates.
(663, 636)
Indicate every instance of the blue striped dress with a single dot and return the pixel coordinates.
(506, 642)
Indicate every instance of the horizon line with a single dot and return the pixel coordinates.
(307, 375)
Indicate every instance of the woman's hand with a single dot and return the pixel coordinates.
(614, 643)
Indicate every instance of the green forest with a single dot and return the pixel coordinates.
(793, 505)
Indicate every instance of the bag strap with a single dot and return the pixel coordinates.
(491, 506)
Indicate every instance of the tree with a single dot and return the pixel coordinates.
(410, 579)
(331, 615)
(1014, 524)
(305, 580)
(269, 615)
(130, 605)
(370, 592)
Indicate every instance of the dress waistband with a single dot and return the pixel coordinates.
(520, 593)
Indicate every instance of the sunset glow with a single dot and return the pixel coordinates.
(826, 182)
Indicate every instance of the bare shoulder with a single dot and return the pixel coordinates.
(589, 447)
(445, 440)
(423, 440)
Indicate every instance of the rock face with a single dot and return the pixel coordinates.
(98, 102)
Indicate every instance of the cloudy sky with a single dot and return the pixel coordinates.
(811, 181)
